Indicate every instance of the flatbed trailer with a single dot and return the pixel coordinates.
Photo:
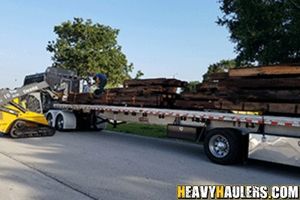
(227, 138)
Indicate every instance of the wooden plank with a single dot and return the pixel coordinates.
(138, 101)
(255, 106)
(143, 90)
(283, 108)
(156, 81)
(270, 96)
(259, 83)
(279, 108)
(265, 70)
(129, 100)
(252, 83)
(79, 98)
(218, 76)
(228, 105)
(184, 104)
(198, 96)
(241, 106)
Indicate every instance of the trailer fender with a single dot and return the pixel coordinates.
(61, 119)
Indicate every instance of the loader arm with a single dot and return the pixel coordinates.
(7, 95)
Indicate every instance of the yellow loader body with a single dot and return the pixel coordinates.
(7, 119)
(18, 122)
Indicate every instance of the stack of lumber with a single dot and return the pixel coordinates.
(206, 96)
(158, 92)
(269, 89)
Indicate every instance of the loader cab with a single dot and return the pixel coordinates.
(57, 78)
(61, 81)
(35, 78)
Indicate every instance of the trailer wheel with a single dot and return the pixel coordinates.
(59, 122)
(50, 119)
(223, 146)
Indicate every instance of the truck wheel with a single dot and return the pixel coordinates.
(59, 122)
(223, 146)
(49, 118)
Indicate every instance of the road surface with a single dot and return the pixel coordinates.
(106, 165)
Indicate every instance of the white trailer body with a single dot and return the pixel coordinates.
(227, 137)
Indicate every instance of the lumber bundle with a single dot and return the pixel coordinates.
(154, 82)
(265, 70)
(159, 92)
(269, 89)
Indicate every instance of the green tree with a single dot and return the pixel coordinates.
(221, 66)
(265, 31)
(89, 47)
(139, 74)
(191, 86)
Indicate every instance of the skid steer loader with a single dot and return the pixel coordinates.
(16, 120)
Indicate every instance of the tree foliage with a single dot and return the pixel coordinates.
(265, 31)
(139, 74)
(221, 66)
(191, 86)
(89, 47)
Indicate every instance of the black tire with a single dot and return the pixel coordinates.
(224, 146)
(49, 118)
(59, 122)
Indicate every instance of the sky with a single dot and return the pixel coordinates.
(162, 38)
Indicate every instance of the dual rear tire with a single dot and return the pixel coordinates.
(59, 122)
(225, 146)
(83, 122)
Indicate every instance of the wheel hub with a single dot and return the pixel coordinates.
(219, 146)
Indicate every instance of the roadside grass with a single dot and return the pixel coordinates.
(157, 131)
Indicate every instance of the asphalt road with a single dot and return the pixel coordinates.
(91, 165)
